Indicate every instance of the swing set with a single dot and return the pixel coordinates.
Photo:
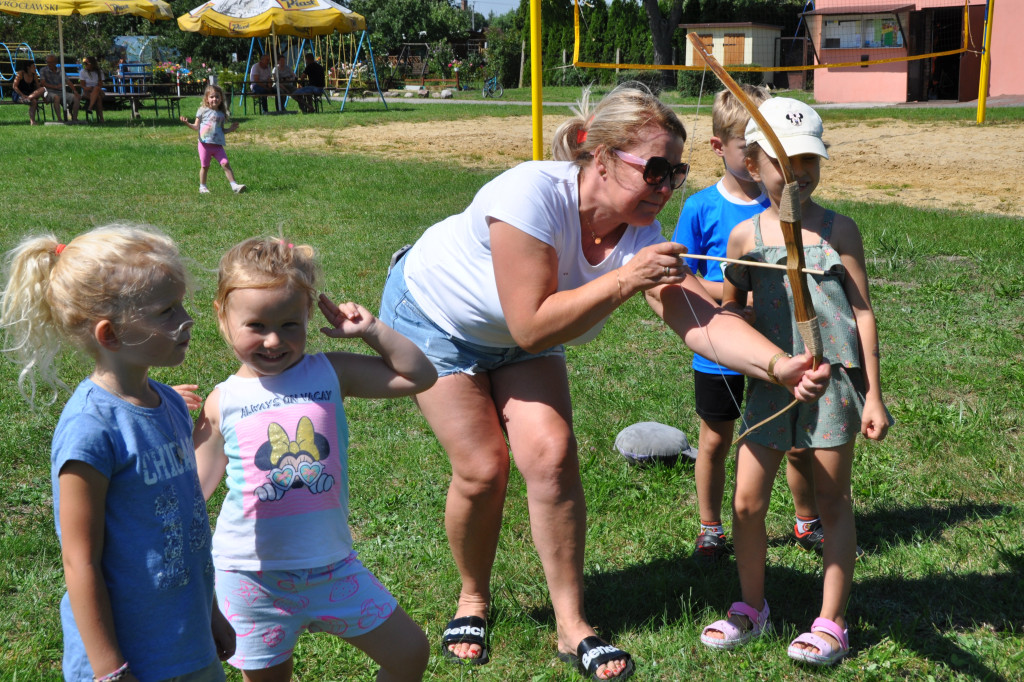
(337, 53)
(12, 54)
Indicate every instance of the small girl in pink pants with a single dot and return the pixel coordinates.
(209, 124)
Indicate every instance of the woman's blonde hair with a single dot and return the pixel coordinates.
(55, 293)
(617, 122)
(266, 263)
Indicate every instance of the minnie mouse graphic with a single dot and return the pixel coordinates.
(293, 463)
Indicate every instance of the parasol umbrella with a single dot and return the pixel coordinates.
(259, 18)
(150, 9)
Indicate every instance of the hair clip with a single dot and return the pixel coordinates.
(581, 136)
(59, 248)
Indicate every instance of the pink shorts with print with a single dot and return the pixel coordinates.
(270, 609)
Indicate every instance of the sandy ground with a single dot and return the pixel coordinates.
(960, 166)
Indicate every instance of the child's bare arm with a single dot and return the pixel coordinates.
(193, 126)
(715, 289)
(847, 241)
(231, 128)
(740, 242)
(223, 633)
(399, 368)
(83, 494)
(211, 462)
(193, 401)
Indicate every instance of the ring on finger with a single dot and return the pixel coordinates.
(666, 270)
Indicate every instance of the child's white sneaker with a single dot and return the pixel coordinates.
(237, 188)
(203, 189)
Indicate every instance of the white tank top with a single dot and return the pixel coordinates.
(286, 440)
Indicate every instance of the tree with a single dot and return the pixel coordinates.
(691, 11)
(393, 22)
(663, 29)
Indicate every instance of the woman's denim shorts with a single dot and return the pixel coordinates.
(448, 354)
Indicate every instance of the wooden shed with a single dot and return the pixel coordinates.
(737, 43)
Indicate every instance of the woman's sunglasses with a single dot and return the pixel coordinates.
(657, 169)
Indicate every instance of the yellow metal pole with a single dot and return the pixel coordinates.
(986, 63)
(536, 81)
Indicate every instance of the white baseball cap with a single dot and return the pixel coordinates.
(796, 124)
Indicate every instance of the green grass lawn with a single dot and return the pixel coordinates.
(939, 503)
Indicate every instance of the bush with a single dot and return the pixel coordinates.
(652, 79)
(441, 58)
(690, 82)
(165, 72)
(197, 73)
(226, 76)
(751, 77)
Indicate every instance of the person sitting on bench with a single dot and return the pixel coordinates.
(28, 88)
(313, 74)
(51, 81)
(260, 76)
(92, 86)
(284, 80)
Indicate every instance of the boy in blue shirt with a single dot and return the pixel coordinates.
(704, 226)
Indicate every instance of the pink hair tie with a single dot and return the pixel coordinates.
(581, 136)
(59, 248)
(288, 244)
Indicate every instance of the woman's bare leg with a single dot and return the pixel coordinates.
(462, 414)
(533, 398)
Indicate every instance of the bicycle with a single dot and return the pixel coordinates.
(493, 88)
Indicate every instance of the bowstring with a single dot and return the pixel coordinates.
(682, 199)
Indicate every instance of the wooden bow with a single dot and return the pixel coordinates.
(789, 219)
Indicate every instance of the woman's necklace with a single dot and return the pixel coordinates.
(587, 226)
(174, 441)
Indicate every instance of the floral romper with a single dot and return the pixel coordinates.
(835, 418)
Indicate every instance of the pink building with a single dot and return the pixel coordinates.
(849, 31)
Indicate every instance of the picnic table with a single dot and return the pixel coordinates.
(158, 94)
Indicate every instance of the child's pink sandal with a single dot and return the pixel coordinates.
(733, 636)
(827, 654)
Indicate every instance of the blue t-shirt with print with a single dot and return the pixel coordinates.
(156, 558)
(704, 226)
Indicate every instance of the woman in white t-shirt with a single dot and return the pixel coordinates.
(92, 86)
(544, 253)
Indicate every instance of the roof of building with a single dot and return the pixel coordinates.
(878, 8)
(731, 24)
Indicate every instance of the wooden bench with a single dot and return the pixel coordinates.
(259, 99)
(40, 105)
(171, 101)
(441, 83)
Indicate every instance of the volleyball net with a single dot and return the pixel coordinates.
(828, 34)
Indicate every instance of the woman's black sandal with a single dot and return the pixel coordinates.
(468, 630)
(592, 653)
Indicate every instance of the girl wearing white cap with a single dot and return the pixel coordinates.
(824, 431)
